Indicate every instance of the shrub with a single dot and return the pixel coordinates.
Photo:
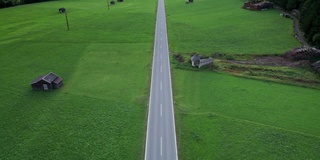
(229, 57)
(178, 57)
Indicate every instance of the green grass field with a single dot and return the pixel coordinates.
(105, 59)
(226, 117)
(219, 116)
(208, 26)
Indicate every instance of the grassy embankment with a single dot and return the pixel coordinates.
(225, 117)
(104, 59)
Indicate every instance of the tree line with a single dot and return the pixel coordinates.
(309, 18)
(10, 3)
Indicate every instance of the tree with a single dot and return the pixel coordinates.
(9, 3)
(293, 4)
(316, 39)
(310, 20)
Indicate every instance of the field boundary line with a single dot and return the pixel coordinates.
(257, 123)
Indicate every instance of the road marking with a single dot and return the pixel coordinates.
(160, 68)
(160, 56)
(161, 110)
(161, 86)
(161, 19)
(161, 146)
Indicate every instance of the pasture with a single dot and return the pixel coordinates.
(223, 26)
(226, 117)
(220, 116)
(105, 59)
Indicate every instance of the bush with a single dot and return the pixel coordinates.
(316, 66)
(316, 39)
(178, 57)
(229, 57)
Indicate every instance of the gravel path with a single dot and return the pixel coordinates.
(297, 32)
(296, 27)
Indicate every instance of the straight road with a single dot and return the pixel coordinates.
(161, 133)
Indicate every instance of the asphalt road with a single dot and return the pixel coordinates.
(161, 134)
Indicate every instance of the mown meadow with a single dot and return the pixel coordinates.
(104, 59)
(224, 27)
(221, 116)
(226, 117)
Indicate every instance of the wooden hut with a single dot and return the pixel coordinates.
(47, 82)
(195, 59)
(204, 62)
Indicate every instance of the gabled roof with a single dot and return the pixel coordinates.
(37, 80)
(57, 80)
(48, 78)
(205, 61)
(195, 57)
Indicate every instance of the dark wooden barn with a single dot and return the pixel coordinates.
(47, 82)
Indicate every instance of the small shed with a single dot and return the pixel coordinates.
(195, 59)
(204, 62)
(47, 82)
